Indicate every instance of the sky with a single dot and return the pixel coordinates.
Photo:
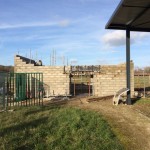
(75, 29)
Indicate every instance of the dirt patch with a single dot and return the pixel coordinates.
(130, 123)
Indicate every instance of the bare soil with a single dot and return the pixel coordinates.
(131, 123)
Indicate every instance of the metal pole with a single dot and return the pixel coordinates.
(7, 85)
(89, 88)
(14, 92)
(30, 56)
(50, 59)
(39, 89)
(4, 91)
(74, 86)
(10, 89)
(128, 66)
(42, 89)
(81, 84)
(144, 82)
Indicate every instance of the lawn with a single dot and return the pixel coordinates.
(139, 81)
(143, 105)
(61, 128)
(143, 101)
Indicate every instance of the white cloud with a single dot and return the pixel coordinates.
(108, 49)
(33, 24)
(62, 23)
(59, 22)
(110, 61)
(115, 38)
(118, 38)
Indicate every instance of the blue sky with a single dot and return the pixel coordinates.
(74, 28)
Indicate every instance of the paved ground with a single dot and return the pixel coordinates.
(130, 123)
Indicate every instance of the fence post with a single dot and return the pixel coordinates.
(74, 86)
(89, 89)
(144, 82)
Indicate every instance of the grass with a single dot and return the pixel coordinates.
(57, 129)
(139, 81)
(143, 105)
(143, 101)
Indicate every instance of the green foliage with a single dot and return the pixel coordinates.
(56, 129)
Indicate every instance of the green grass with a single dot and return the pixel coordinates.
(143, 101)
(139, 81)
(57, 129)
(143, 106)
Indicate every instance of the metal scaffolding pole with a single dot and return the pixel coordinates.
(128, 66)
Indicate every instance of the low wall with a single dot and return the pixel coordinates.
(55, 82)
(111, 79)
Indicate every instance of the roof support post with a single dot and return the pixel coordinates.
(128, 65)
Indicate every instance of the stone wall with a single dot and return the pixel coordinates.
(111, 79)
(107, 82)
(55, 81)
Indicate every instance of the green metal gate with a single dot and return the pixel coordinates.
(21, 82)
(2, 91)
(21, 89)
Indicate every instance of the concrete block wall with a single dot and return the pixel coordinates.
(111, 79)
(55, 81)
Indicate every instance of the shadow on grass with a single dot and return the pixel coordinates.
(41, 109)
(25, 147)
(57, 103)
(103, 98)
(135, 100)
(23, 125)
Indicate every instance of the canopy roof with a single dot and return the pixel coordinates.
(131, 14)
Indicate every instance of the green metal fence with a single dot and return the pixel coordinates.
(2, 91)
(21, 89)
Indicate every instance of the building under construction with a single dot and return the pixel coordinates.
(72, 80)
(31, 81)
